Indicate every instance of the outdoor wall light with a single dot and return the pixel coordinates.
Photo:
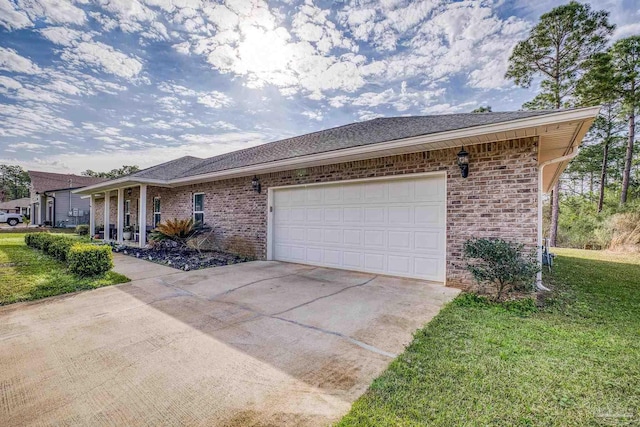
(463, 162)
(255, 184)
(128, 192)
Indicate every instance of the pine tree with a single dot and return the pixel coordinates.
(556, 50)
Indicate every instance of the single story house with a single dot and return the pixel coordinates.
(389, 195)
(18, 206)
(52, 200)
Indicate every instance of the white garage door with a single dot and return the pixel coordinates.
(391, 226)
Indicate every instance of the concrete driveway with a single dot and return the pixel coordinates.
(260, 343)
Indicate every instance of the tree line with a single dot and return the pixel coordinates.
(569, 53)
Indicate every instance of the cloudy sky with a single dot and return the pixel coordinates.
(101, 83)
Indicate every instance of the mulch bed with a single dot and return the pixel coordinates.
(182, 259)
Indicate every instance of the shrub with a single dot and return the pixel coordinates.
(82, 229)
(177, 230)
(45, 241)
(38, 240)
(501, 264)
(85, 259)
(60, 246)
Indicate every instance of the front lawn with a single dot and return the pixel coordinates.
(28, 274)
(576, 362)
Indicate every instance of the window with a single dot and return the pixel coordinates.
(127, 213)
(198, 208)
(156, 211)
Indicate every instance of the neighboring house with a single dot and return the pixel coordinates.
(18, 206)
(384, 196)
(53, 203)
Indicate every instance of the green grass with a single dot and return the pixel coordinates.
(27, 274)
(574, 362)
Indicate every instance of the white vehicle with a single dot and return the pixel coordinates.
(10, 218)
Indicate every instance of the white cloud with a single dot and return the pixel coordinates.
(313, 115)
(62, 35)
(11, 18)
(12, 62)
(9, 83)
(29, 146)
(214, 99)
(368, 115)
(104, 57)
(54, 11)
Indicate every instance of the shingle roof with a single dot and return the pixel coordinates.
(169, 170)
(48, 181)
(16, 203)
(352, 135)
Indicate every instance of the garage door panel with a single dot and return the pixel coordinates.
(401, 215)
(332, 236)
(392, 227)
(353, 260)
(429, 215)
(375, 215)
(313, 198)
(400, 265)
(352, 193)
(375, 192)
(428, 240)
(399, 240)
(400, 191)
(333, 215)
(374, 262)
(298, 253)
(296, 215)
(297, 197)
(331, 194)
(425, 191)
(353, 237)
(314, 255)
(427, 267)
(374, 239)
(314, 215)
(352, 214)
(314, 235)
(333, 257)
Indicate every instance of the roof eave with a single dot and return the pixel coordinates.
(378, 150)
(420, 143)
(114, 184)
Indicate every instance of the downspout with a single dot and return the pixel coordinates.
(574, 153)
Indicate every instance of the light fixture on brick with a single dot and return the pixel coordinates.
(463, 162)
(255, 183)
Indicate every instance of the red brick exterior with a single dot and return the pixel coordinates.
(498, 199)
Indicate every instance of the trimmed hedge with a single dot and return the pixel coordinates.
(85, 259)
(59, 248)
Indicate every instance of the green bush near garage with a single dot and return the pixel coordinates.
(85, 259)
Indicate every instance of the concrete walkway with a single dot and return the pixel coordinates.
(260, 343)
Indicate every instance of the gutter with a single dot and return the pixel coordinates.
(370, 151)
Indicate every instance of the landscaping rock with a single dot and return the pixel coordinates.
(184, 259)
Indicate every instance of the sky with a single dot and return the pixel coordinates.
(97, 84)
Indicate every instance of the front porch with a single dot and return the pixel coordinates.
(130, 219)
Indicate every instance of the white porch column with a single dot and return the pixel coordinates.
(120, 222)
(107, 202)
(92, 216)
(142, 215)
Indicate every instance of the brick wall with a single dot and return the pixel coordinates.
(498, 199)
